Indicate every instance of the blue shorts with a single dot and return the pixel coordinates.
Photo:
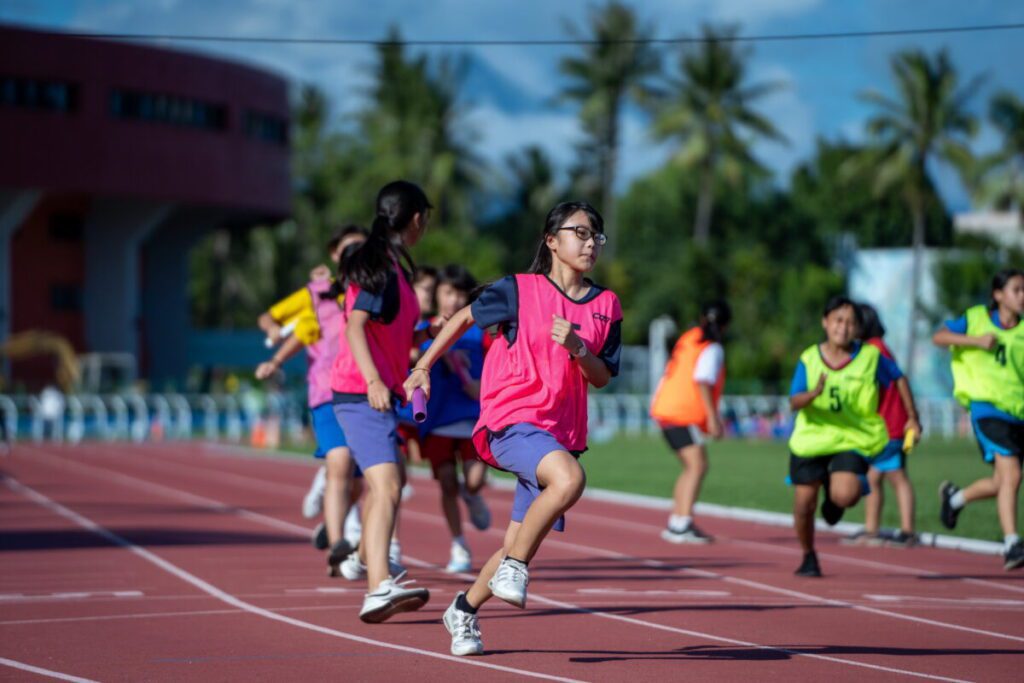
(998, 437)
(519, 449)
(891, 459)
(372, 435)
(326, 429)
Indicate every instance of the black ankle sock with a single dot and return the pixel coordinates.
(461, 603)
(516, 559)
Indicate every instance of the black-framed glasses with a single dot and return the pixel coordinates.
(585, 232)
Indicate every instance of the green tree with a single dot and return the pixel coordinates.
(707, 110)
(998, 179)
(615, 65)
(927, 122)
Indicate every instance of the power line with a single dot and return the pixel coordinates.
(764, 38)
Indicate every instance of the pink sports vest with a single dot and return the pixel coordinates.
(536, 381)
(389, 344)
(320, 355)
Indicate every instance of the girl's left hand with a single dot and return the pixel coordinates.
(715, 429)
(913, 424)
(419, 378)
(563, 334)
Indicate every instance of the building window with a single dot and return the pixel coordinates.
(165, 108)
(66, 227)
(265, 127)
(37, 93)
(66, 298)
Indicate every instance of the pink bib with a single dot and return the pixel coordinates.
(320, 355)
(536, 381)
(389, 344)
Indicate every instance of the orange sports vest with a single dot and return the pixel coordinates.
(677, 400)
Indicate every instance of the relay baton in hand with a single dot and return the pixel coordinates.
(908, 441)
(285, 332)
(419, 405)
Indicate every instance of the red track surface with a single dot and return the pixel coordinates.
(198, 566)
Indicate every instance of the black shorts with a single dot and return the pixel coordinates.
(998, 437)
(809, 470)
(682, 436)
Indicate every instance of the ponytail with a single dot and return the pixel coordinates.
(714, 316)
(397, 203)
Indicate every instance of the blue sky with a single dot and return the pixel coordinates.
(511, 89)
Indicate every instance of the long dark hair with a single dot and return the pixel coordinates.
(397, 203)
(714, 316)
(871, 326)
(542, 261)
(337, 287)
(999, 281)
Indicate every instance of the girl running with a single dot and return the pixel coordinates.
(685, 404)
(837, 424)
(988, 376)
(560, 332)
(891, 464)
(452, 412)
(381, 312)
(318, 309)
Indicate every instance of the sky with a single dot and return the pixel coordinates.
(512, 91)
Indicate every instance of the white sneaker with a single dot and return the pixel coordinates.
(690, 534)
(510, 581)
(353, 526)
(464, 629)
(479, 514)
(407, 492)
(391, 598)
(460, 561)
(353, 569)
(313, 503)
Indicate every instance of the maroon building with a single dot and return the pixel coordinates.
(116, 158)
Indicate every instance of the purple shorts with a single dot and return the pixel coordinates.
(519, 450)
(372, 435)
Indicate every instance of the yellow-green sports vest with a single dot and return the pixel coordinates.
(845, 416)
(995, 376)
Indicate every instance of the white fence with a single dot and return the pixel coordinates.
(138, 417)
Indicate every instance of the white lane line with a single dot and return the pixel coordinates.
(585, 549)
(68, 595)
(706, 636)
(629, 592)
(229, 599)
(986, 602)
(49, 673)
(218, 505)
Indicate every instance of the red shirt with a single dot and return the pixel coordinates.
(890, 407)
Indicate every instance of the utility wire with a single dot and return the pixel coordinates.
(764, 38)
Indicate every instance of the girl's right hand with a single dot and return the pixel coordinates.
(419, 378)
(715, 428)
(379, 396)
(820, 389)
(987, 341)
(265, 370)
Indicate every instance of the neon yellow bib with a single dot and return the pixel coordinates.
(995, 376)
(845, 416)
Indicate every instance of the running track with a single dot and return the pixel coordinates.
(166, 562)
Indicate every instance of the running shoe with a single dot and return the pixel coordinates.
(392, 597)
(1014, 557)
(810, 566)
(690, 534)
(352, 568)
(313, 503)
(902, 539)
(479, 514)
(509, 582)
(460, 560)
(338, 553)
(831, 512)
(948, 513)
(862, 537)
(464, 629)
(320, 536)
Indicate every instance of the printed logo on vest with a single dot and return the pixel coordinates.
(602, 318)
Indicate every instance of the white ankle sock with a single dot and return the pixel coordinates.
(679, 522)
(957, 500)
(1009, 540)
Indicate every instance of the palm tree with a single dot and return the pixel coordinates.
(928, 121)
(615, 64)
(707, 109)
(998, 179)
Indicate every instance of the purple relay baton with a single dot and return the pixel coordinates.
(419, 405)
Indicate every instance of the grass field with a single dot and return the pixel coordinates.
(752, 474)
